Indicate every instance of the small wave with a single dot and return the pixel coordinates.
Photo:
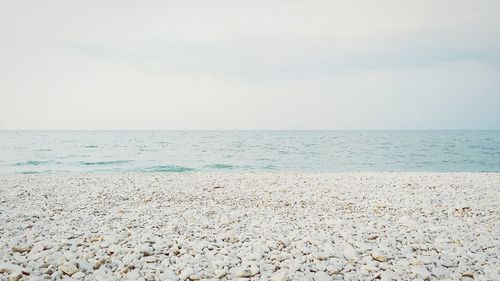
(167, 169)
(221, 166)
(44, 149)
(91, 146)
(269, 167)
(105, 163)
(264, 159)
(31, 163)
(28, 172)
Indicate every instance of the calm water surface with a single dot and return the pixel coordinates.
(188, 151)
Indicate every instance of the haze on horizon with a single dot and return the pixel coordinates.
(250, 65)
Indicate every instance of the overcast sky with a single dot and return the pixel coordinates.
(426, 64)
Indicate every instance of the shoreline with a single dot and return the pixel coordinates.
(187, 170)
(250, 225)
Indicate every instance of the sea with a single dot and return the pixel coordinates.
(43, 152)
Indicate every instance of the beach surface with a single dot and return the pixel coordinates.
(250, 226)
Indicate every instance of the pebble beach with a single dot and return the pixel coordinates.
(250, 226)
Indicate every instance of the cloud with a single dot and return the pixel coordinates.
(257, 64)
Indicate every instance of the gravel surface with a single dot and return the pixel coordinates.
(246, 226)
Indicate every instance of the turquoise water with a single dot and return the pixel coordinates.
(190, 151)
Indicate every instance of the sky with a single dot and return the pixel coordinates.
(426, 64)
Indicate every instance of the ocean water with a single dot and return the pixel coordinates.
(32, 152)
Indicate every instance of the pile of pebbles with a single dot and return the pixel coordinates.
(250, 226)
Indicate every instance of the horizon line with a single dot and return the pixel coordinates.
(236, 130)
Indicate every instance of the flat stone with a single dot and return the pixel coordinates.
(20, 249)
(320, 256)
(349, 253)
(231, 237)
(468, 274)
(168, 274)
(145, 250)
(421, 272)
(378, 256)
(68, 269)
(10, 268)
(281, 275)
(389, 275)
(78, 275)
(37, 248)
(15, 276)
(220, 273)
(322, 276)
(241, 272)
